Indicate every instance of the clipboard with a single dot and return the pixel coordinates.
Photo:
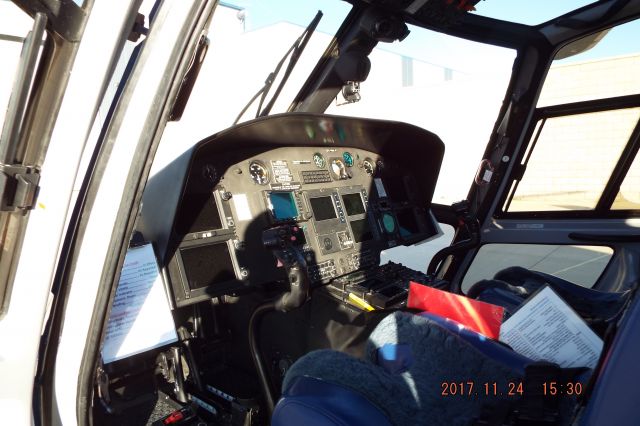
(140, 317)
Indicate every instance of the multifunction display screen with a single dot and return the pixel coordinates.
(198, 213)
(283, 205)
(353, 204)
(322, 208)
(207, 265)
(361, 231)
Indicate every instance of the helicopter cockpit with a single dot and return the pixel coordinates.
(268, 239)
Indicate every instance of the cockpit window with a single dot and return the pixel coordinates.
(572, 160)
(527, 13)
(585, 138)
(599, 66)
(628, 197)
(448, 85)
(248, 39)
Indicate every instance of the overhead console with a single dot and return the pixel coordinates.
(353, 186)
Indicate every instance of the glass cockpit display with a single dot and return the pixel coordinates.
(349, 203)
(322, 208)
(283, 205)
(201, 271)
(353, 204)
(361, 230)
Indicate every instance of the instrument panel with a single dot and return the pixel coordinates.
(351, 201)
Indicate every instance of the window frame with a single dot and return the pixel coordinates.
(606, 200)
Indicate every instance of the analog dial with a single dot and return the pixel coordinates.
(339, 169)
(367, 165)
(259, 172)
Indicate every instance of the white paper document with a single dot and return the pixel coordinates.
(546, 328)
(140, 317)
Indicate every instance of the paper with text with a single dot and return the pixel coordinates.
(140, 317)
(546, 328)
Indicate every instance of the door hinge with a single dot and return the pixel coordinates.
(18, 187)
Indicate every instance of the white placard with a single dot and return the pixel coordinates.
(241, 203)
(546, 328)
(140, 317)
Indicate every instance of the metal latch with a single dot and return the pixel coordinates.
(18, 187)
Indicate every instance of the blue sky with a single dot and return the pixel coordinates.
(265, 12)
(262, 13)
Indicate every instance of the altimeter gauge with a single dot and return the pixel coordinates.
(259, 172)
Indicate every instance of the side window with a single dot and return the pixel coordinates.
(628, 197)
(581, 154)
(579, 161)
(572, 160)
(581, 265)
(606, 65)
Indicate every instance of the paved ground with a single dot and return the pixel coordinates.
(577, 264)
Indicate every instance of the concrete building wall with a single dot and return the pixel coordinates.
(575, 155)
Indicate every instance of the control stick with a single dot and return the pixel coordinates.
(285, 241)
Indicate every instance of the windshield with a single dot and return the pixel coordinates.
(448, 85)
(528, 13)
(248, 39)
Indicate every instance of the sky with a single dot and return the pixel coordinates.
(264, 12)
(423, 44)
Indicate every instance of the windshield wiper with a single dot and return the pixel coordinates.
(295, 50)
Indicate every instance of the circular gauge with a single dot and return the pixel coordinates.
(258, 172)
(368, 166)
(348, 159)
(318, 160)
(388, 223)
(339, 169)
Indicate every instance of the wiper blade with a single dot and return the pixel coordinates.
(295, 51)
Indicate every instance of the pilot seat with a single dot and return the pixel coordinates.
(422, 369)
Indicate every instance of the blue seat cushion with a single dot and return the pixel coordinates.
(489, 347)
(414, 396)
(313, 402)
